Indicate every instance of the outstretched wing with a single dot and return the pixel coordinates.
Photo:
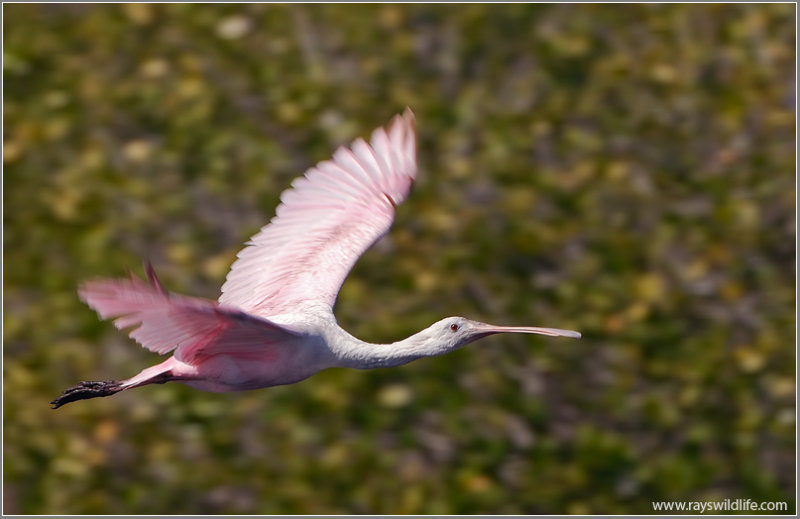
(329, 218)
(193, 328)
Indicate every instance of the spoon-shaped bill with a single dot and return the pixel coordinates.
(489, 329)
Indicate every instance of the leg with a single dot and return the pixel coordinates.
(167, 371)
(90, 389)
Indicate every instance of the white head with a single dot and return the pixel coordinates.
(437, 339)
(453, 332)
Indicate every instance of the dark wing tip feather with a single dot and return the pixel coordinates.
(151, 276)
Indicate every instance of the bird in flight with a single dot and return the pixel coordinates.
(274, 322)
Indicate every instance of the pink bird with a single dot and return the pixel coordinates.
(274, 322)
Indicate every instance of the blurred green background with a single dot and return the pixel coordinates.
(622, 170)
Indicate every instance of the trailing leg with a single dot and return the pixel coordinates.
(96, 388)
(87, 389)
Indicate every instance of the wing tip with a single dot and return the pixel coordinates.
(153, 278)
(409, 116)
(407, 120)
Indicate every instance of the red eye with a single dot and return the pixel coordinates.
(454, 327)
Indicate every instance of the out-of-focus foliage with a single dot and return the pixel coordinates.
(623, 170)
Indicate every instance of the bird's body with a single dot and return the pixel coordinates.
(274, 322)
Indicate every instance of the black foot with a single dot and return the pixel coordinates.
(90, 389)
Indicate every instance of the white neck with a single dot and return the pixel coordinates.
(354, 353)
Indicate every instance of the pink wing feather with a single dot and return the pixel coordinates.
(191, 327)
(333, 214)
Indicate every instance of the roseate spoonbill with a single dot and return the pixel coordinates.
(274, 322)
